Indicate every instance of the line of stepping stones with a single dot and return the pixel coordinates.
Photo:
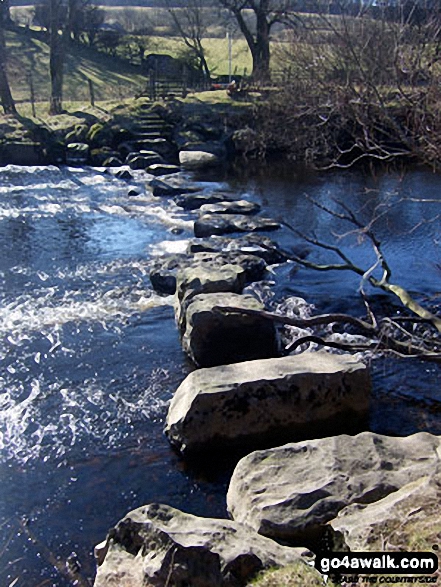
(244, 395)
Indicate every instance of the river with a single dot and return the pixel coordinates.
(90, 355)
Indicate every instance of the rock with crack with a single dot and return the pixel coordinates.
(215, 337)
(200, 279)
(250, 404)
(289, 493)
(408, 519)
(165, 268)
(158, 545)
(219, 224)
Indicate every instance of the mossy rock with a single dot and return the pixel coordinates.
(78, 135)
(99, 135)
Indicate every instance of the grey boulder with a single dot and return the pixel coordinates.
(165, 269)
(290, 492)
(200, 279)
(158, 545)
(214, 337)
(249, 404)
(198, 159)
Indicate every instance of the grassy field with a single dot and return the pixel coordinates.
(28, 59)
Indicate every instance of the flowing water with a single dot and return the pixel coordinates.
(90, 356)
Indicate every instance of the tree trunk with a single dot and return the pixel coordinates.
(261, 52)
(5, 13)
(56, 60)
(6, 98)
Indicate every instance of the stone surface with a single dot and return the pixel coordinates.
(163, 169)
(408, 519)
(151, 156)
(226, 207)
(217, 338)
(164, 269)
(77, 153)
(218, 224)
(158, 545)
(256, 402)
(250, 244)
(199, 279)
(198, 159)
(21, 153)
(124, 174)
(290, 492)
(195, 201)
(163, 189)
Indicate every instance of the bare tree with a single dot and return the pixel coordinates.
(57, 45)
(256, 30)
(191, 24)
(413, 332)
(6, 98)
(359, 87)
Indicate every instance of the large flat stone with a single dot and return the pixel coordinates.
(256, 402)
(216, 338)
(289, 493)
(198, 279)
(165, 269)
(198, 159)
(218, 224)
(228, 207)
(250, 244)
(158, 545)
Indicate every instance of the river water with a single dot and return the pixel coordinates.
(90, 355)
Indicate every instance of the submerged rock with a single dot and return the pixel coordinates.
(158, 545)
(289, 493)
(217, 338)
(212, 224)
(195, 201)
(162, 189)
(252, 403)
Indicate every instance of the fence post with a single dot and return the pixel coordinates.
(91, 92)
(32, 93)
(184, 81)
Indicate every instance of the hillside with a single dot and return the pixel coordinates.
(28, 56)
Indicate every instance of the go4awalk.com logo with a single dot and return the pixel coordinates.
(380, 563)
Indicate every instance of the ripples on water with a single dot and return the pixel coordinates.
(90, 357)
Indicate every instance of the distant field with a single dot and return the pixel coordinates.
(159, 37)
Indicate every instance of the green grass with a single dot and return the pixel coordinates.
(113, 78)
